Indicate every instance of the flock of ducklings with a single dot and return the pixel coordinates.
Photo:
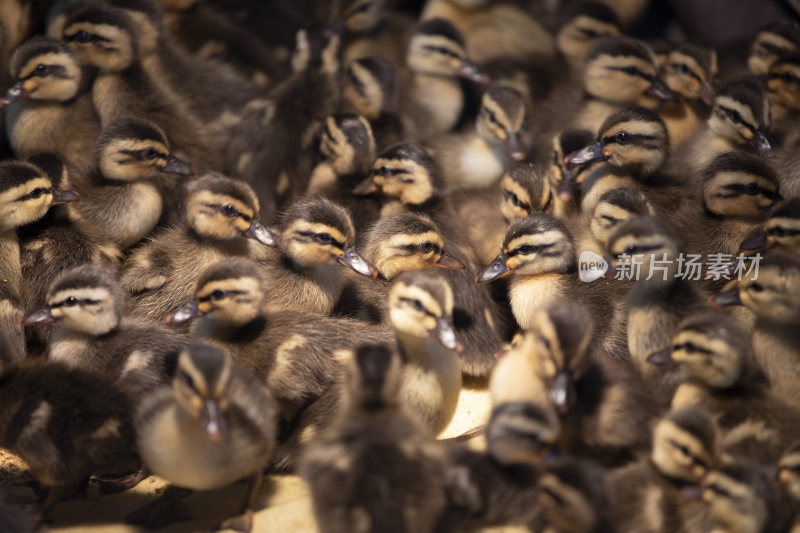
(246, 283)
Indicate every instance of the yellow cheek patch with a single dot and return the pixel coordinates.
(298, 227)
(401, 290)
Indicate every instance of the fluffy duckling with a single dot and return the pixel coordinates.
(772, 42)
(372, 448)
(646, 496)
(57, 115)
(434, 100)
(613, 208)
(373, 30)
(539, 253)
(479, 158)
(781, 230)
(562, 176)
(783, 93)
(87, 305)
(122, 197)
(371, 88)
(723, 377)
(219, 219)
(297, 355)
(584, 23)
(213, 425)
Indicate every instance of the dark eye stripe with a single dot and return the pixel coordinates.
(633, 71)
(635, 138)
(85, 301)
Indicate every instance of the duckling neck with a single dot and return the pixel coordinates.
(212, 328)
(528, 293)
(440, 101)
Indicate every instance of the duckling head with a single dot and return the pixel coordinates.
(783, 84)
(711, 348)
(686, 444)
(103, 36)
(738, 498)
(741, 115)
(500, 119)
(86, 299)
(347, 143)
(231, 291)
(316, 231)
(647, 244)
(622, 70)
(584, 23)
(218, 207)
(525, 190)
(406, 242)
(371, 87)
(362, 15)
(534, 245)
(133, 149)
(27, 193)
(789, 471)
(421, 305)
(437, 48)
(373, 377)
(739, 184)
(521, 432)
(201, 384)
(689, 70)
(562, 176)
(633, 139)
(772, 42)
(782, 229)
(405, 171)
(316, 49)
(148, 19)
(574, 496)
(43, 69)
(615, 207)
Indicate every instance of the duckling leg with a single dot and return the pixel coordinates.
(113, 485)
(165, 510)
(244, 520)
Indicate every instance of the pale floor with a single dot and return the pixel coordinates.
(283, 502)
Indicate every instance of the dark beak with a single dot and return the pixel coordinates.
(513, 147)
(660, 90)
(184, 313)
(354, 260)
(562, 392)
(693, 494)
(446, 335)
(755, 243)
(707, 93)
(366, 187)
(63, 197)
(16, 92)
(212, 420)
(761, 144)
(258, 232)
(496, 269)
(726, 298)
(471, 72)
(661, 357)
(178, 166)
(42, 316)
(448, 261)
(586, 155)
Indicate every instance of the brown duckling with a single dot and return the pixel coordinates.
(373, 29)
(371, 88)
(562, 176)
(584, 23)
(783, 92)
(772, 42)
(781, 230)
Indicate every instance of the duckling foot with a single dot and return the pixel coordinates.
(242, 522)
(165, 510)
(114, 485)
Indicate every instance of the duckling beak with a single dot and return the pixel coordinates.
(258, 232)
(562, 392)
(470, 71)
(496, 269)
(448, 261)
(761, 144)
(566, 188)
(63, 197)
(447, 336)
(693, 494)
(756, 243)
(726, 298)
(366, 187)
(661, 357)
(42, 316)
(513, 147)
(354, 260)
(707, 93)
(185, 313)
(660, 90)
(16, 92)
(178, 166)
(212, 420)
(586, 155)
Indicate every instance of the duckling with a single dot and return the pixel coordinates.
(772, 42)
(382, 449)
(213, 425)
(120, 198)
(479, 158)
(723, 377)
(781, 230)
(434, 100)
(87, 305)
(539, 253)
(26, 194)
(771, 294)
(783, 94)
(106, 37)
(57, 114)
(297, 355)
(584, 23)
(562, 177)
(371, 89)
(219, 216)
(373, 30)
(646, 496)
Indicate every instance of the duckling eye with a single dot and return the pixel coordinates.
(777, 231)
(716, 489)
(38, 192)
(631, 71)
(324, 238)
(217, 295)
(684, 68)
(40, 70)
(684, 450)
(70, 302)
(426, 246)
(407, 181)
(691, 347)
(756, 287)
(230, 211)
(629, 250)
(383, 170)
(622, 137)
(188, 380)
(752, 189)
(418, 305)
(526, 249)
(515, 200)
(83, 36)
(149, 153)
